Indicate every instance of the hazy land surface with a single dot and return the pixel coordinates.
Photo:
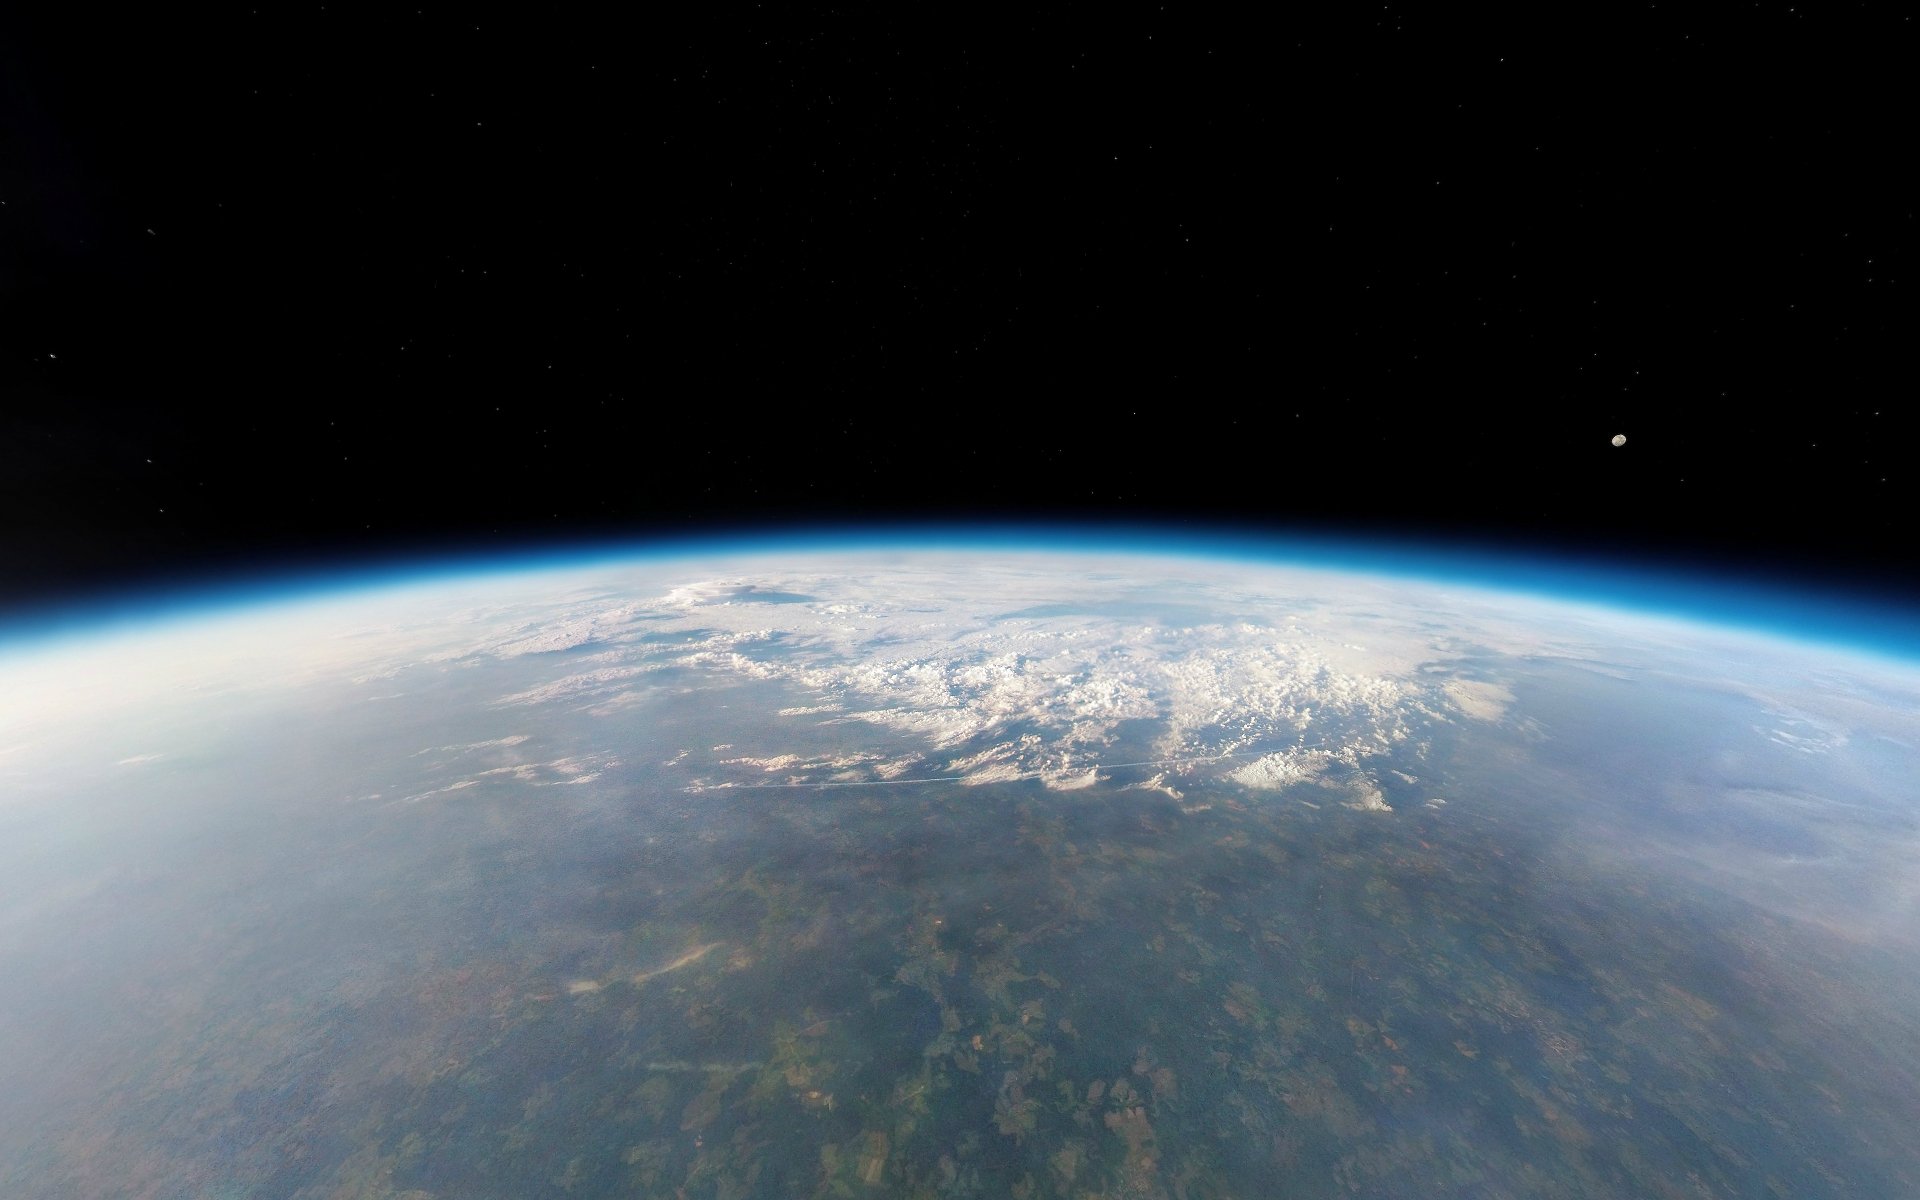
(940, 876)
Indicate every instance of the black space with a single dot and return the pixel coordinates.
(308, 283)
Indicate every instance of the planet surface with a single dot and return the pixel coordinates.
(993, 872)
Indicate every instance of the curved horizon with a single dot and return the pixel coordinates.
(1733, 598)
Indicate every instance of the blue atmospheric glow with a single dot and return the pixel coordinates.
(1717, 599)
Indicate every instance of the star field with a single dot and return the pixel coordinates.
(298, 281)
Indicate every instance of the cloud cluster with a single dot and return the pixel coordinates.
(1026, 675)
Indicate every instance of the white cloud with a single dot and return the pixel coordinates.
(779, 762)
(457, 785)
(1157, 784)
(464, 747)
(1282, 770)
(585, 683)
(1478, 699)
(1363, 796)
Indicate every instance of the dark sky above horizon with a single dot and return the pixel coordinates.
(307, 281)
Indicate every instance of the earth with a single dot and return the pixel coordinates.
(954, 873)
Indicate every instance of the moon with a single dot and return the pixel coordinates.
(1619, 439)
